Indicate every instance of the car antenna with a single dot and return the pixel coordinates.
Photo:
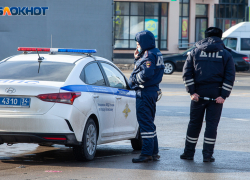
(39, 60)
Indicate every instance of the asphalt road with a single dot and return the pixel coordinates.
(113, 161)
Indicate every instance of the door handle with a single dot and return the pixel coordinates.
(95, 96)
(118, 97)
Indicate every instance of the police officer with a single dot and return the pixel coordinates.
(145, 79)
(208, 72)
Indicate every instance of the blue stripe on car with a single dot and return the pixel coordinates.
(99, 89)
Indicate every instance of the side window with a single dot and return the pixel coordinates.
(245, 44)
(115, 78)
(225, 41)
(230, 42)
(92, 75)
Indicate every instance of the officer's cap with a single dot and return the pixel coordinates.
(213, 31)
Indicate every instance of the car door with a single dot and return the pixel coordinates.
(125, 112)
(103, 98)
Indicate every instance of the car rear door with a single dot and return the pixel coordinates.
(125, 112)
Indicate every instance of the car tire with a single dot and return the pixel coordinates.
(169, 68)
(137, 142)
(86, 151)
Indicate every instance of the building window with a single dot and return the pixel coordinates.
(184, 24)
(229, 13)
(133, 17)
(201, 21)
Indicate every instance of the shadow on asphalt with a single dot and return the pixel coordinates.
(119, 157)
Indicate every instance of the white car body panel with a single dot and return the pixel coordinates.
(114, 108)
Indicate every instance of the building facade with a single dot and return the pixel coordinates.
(64, 25)
(176, 25)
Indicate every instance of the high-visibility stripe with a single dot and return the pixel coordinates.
(191, 141)
(227, 85)
(189, 84)
(142, 133)
(190, 80)
(223, 87)
(192, 138)
(139, 77)
(209, 139)
(209, 142)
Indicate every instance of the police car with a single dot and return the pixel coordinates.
(79, 100)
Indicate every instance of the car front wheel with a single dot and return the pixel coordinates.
(86, 151)
(169, 68)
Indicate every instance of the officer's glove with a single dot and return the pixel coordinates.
(159, 95)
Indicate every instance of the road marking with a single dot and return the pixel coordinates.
(241, 120)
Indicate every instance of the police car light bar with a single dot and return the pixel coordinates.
(57, 50)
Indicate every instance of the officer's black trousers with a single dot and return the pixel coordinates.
(197, 111)
(145, 111)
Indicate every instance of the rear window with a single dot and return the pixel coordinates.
(27, 70)
(245, 44)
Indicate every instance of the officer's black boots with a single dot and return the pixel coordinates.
(156, 157)
(211, 159)
(184, 156)
(142, 159)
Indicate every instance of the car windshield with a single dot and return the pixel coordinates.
(27, 70)
(185, 52)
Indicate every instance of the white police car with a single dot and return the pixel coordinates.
(77, 100)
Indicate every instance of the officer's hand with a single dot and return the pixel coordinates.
(136, 53)
(220, 100)
(195, 97)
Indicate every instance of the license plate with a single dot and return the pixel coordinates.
(14, 102)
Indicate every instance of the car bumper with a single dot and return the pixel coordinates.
(54, 138)
(242, 68)
(45, 123)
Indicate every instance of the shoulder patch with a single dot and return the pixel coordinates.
(148, 64)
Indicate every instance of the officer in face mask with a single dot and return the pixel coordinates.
(209, 71)
(145, 79)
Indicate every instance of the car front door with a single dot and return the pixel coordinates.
(103, 98)
(125, 112)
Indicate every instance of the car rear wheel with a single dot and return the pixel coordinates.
(169, 68)
(137, 142)
(86, 151)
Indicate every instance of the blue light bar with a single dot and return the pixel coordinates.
(78, 50)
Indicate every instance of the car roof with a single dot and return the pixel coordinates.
(238, 30)
(65, 58)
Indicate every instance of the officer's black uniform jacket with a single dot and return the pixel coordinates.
(149, 66)
(209, 65)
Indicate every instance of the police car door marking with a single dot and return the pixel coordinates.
(99, 89)
(160, 61)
